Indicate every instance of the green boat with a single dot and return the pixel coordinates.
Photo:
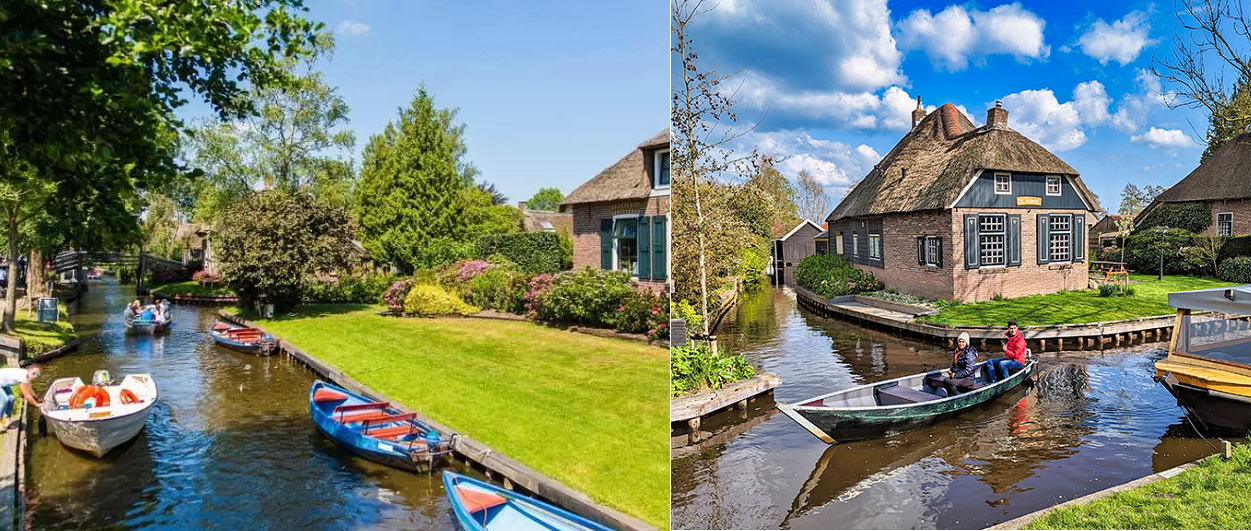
(894, 406)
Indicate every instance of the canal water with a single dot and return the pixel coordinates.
(1099, 420)
(229, 445)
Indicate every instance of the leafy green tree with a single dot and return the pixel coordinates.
(775, 194)
(546, 199)
(1231, 118)
(270, 245)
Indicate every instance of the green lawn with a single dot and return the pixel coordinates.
(190, 287)
(590, 412)
(1085, 306)
(1211, 496)
(43, 337)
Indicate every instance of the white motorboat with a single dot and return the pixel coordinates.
(99, 417)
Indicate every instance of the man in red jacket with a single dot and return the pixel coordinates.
(1015, 352)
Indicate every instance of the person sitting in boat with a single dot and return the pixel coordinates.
(22, 378)
(148, 314)
(962, 366)
(1014, 351)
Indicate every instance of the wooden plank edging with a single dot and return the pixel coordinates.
(472, 450)
(685, 408)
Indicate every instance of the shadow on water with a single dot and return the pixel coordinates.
(1093, 420)
(229, 445)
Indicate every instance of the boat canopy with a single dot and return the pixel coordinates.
(1234, 299)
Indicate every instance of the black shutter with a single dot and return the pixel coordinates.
(920, 250)
(643, 247)
(1079, 237)
(972, 258)
(605, 243)
(1014, 240)
(1044, 224)
(938, 260)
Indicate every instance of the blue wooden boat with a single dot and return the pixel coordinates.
(376, 430)
(240, 338)
(481, 506)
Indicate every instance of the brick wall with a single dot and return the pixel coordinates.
(586, 236)
(901, 269)
(1030, 278)
(1241, 209)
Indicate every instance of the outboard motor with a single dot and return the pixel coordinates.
(101, 378)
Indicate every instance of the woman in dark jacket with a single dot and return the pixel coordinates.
(962, 367)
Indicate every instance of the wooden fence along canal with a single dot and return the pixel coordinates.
(512, 473)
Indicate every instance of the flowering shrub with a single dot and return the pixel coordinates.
(428, 300)
(360, 289)
(589, 296)
(501, 287)
(641, 313)
(394, 297)
(470, 269)
(539, 286)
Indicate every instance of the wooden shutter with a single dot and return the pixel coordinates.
(1014, 240)
(605, 243)
(939, 258)
(972, 255)
(644, 258)
(660, 246)
(920, 250)
(1078, 240)
(1044, 225)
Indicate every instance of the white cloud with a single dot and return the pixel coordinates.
(352, 27)
(1091, 101)
(847, 110)
(834, 164)
(1164, 138)
(955, 35)
(1135, 108)
(1039, 115)
(1120, 41)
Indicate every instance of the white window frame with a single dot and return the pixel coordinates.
(855, 244)
(1230, 232)
(1059, 185)
(1002, 234)
(1050, 234)
(656, 171)
(931, 251)
(878, 237)
(615, 262)
(841, 250)
(996, 180)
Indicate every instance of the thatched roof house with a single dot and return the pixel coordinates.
(1222, 183)
(958, 211)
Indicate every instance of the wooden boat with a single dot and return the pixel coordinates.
(160, 323)
(376, 430)
(481, 506)
(97, 418)
(240, 338)
(893, 406)
(1208, 368)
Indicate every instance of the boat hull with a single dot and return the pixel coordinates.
(837, 425)
(396, 454)
(1215, 411)
(99, 437)
(237, 346)
(514, 512)
(101, 429)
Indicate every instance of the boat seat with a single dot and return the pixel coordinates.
(893, 396)
(387, 419)
(392, 432)
(967, 388)
(326, 395)
(358, 407)
(360, 417)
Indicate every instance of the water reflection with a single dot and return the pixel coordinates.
(1095, 420)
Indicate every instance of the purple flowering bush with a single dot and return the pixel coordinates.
(394, 297)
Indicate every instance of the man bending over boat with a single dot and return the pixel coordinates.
(962, 366)
(1014, 350)
(17, 376)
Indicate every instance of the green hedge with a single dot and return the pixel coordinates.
(1237, 269)
(1236, 246)
(1193, 217)
(1142, 253)
(832, 276)
(533, 252)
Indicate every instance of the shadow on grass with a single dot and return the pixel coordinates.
(305, 311)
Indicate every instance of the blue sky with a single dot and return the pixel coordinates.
(551, 92)
(839, 79)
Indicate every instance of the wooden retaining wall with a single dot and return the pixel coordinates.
(184, 298)
(692, 409)
(1100, 335)
(509, 471)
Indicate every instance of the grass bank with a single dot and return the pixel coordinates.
(191, 287)
(43, 337)
(1086, 306)
(585, 410)
(1210, 496)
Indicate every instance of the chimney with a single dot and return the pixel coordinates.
(998, 116)
(918, 114)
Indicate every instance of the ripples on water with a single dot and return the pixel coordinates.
(229, 445)
(1022, 452)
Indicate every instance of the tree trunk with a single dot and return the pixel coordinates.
(34, 275)
(10, 294)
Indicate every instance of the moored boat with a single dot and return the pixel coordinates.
(481, 506)
(1208, 368)
(894, 406)
(99, 417)
(376, 430)
(240, 338)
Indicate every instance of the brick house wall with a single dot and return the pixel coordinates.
(1241, 210)
(586, 225)
(1029, 278)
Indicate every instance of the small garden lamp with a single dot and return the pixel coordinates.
(1163, 231)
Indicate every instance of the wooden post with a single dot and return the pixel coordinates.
(1042, 345)
(1228, 450)
(508, 484)
(1177, 323)
(693, 425)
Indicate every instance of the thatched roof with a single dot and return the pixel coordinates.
(1222, 176)
(191, 234)
(625, 179)
(543, 220)
(931, 165)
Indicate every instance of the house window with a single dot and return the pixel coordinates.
(931, 251)
(625, 235)
(991, 237)
(839, 242)
(1003, 183)
(875, 246)
(1060, 232)
(1053, 186)
(855, 244)
(1225, 224)
(662, 170)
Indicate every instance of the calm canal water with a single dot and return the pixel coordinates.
(228, 446)
(1100, 420)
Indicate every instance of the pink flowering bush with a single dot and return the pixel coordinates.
(470, 269)
(539, 286)
(641, 313)
(394, 297)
